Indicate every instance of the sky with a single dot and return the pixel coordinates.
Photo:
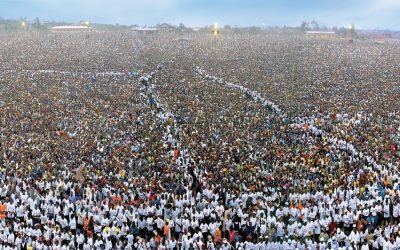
(364, 14)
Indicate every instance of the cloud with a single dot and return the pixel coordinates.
(384, 5)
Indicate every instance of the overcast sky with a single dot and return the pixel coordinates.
(366, 14)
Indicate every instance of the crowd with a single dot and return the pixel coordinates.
(113, 141)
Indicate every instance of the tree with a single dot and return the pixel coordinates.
(181, 28)
(37, 24)
(304, 25)
(314, 25)
(254, 30)
(227, 27)
(236, 29)
(342, 31)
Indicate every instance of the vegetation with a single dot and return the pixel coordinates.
(37, 25)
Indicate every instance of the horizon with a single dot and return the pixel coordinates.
(365, 15)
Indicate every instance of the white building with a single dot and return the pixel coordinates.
(71, 28)
(144, 30)
(320, 34)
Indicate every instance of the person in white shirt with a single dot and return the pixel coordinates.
(365, 246)
(198, 244)
(396, 211)
(354, 235)
(386, 209)
(98, 243)
(210, 244)
(171, 244)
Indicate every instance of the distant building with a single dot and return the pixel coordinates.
(320, 34)
(144, 30)
(72, 28)
(378, 38)
(183, 39)
(381, 42)
(165, 27)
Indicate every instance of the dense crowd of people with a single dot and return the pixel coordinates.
(117, 141)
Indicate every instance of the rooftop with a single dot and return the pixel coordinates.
(69, 27)
(320, 32)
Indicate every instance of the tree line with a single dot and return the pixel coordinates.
(36, 25)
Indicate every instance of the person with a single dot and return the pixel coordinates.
(225, 245)
(210, 244)
(3, 208)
